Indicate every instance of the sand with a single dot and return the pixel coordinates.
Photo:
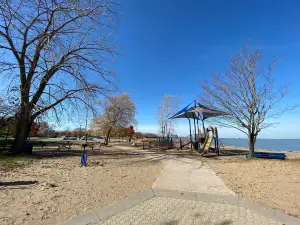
(272, 183)
(64, 189)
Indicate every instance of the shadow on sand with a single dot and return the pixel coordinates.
(17, 183)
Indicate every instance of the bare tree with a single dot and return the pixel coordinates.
(8, 110)
(248, 93)
(4, 110)
(45, 129)
(54, 52)
(117, 112)
(166, 109)
(8, 107)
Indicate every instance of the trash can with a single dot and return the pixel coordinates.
(28, 148)
(83, 159)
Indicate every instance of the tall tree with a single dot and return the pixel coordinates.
(166, 109)
(55, 51)
(116, 112)
(248, 93)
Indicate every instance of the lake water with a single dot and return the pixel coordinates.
(271, 144)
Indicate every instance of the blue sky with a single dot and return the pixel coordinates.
(169, 47)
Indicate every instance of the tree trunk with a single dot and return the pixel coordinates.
(251, 140)
(23, 129)
(107, 136)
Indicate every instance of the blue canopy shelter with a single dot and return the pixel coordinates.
(196, 111)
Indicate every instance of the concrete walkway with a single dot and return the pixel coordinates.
(169, 207)
(184, 174)
(190, 175)
(187, 193)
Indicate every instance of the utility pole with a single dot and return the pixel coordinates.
(86, 119)
(79, 131)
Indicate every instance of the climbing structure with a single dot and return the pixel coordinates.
(195, 112)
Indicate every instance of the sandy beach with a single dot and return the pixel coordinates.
(61, 189)
(272, 183)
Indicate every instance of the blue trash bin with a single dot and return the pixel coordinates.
(84, 159)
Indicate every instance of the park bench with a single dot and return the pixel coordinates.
(268, 155)
(64, 145)
(91, 145)
(59, 145)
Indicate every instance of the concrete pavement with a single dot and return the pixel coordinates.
(190, 175)
(184, 174)
(169, 207)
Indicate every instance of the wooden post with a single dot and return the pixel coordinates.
(149, 145)
(143, 145)
(180, 143)
(158, 143)
(168, 140)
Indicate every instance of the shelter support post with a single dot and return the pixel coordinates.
(203, 129)
(190, 134)
(198, 129)
(195, 130)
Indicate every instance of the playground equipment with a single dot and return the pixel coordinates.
(211, 138)
(196, 111)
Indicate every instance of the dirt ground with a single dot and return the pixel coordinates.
(53, 189)
(272, 183)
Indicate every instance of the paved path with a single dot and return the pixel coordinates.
(184, 174)
(170, 211)
(187, 193)
(169, 207)
(191, 175)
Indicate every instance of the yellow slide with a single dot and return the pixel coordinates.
(208, 141)
(207, 144)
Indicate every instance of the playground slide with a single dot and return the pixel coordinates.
(207, 144)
